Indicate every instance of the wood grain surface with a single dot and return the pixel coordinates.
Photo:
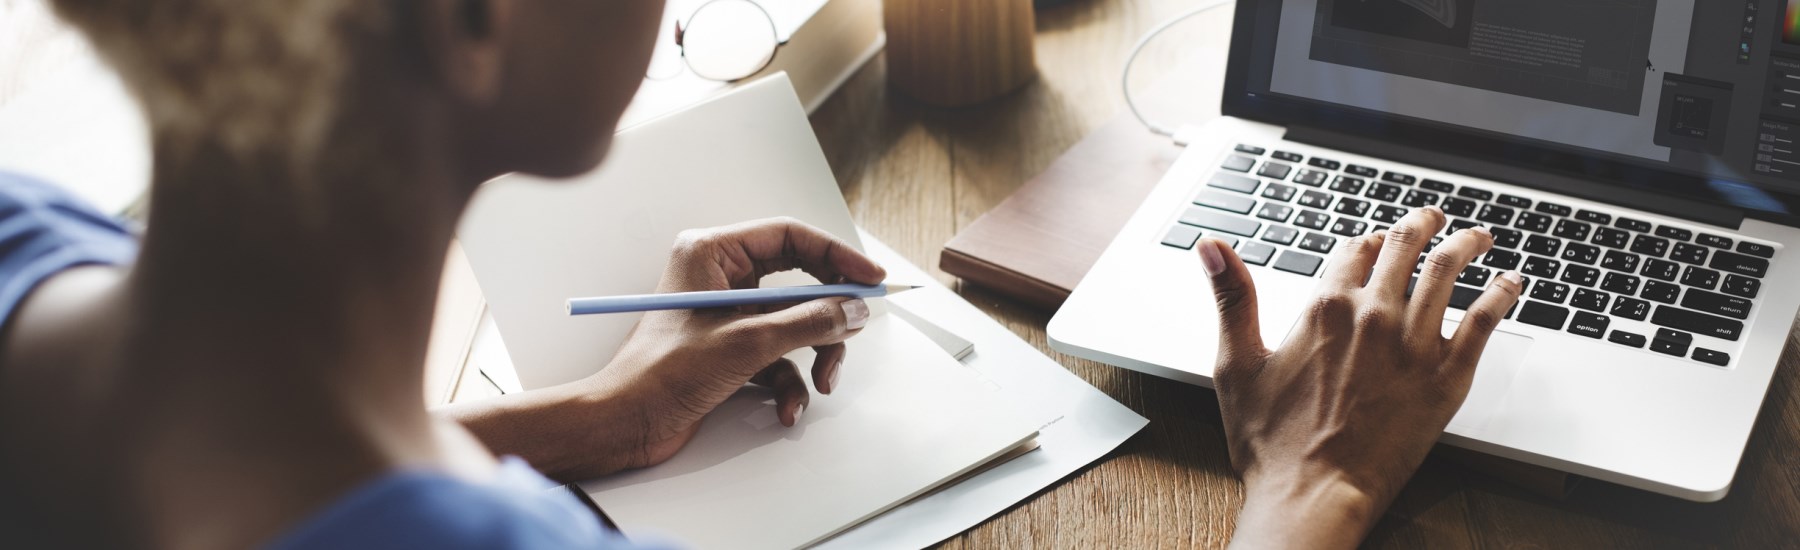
(914, 175)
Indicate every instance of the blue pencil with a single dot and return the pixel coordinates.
(727, 298)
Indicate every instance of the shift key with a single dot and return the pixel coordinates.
(1696, 322)
(1219, 221)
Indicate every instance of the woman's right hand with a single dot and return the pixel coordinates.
(1326, 430)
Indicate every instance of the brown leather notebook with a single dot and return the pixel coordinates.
(1037, 245)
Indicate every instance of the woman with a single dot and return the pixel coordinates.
(250, 373)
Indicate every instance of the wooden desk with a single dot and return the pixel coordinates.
(914, 175)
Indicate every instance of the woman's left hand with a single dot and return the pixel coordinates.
(676, 366)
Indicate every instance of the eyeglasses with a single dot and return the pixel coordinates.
(726, 40)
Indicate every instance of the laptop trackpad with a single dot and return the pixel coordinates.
(1500, 364)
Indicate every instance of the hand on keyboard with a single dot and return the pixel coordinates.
(1326, 429)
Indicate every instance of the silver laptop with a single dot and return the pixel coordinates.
(1635, 160)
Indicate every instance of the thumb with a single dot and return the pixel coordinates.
(1240, 333)
(816, 323)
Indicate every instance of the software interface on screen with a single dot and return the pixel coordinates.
(1704, 87)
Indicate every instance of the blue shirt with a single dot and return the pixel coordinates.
(45, 230)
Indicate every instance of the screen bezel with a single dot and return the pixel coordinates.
(1238, 101)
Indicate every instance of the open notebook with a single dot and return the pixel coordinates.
(906, 420)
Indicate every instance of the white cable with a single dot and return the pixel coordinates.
(1125, 79)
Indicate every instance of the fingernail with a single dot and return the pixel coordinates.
(832, 380)
(1434, 208)
(1211, 259)
(856, 314)
(1510, 276)
(1484, 231)
(797, 411)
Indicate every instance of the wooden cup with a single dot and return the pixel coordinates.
(959, 52)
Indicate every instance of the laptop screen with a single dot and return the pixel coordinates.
(1707, 91)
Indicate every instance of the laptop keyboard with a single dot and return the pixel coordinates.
(1589, 272)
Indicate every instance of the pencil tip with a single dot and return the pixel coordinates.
(896, 289)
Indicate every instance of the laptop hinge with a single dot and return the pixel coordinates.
(1677, 207)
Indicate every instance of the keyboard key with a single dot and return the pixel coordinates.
(1458, 208)
(1312, 219)
(1495, 214)
(1439, 186)
(1182, 236)
(1461, 297)
(1322, 163)
(1591, 300)
(1620, 283)
(1347, 185)
(1251, 149)
(1352, 207)
(1315, 199)
(1553, 209)
(1363, 171)
(1318, 242)
(1541, 245)
(1501, 259)
(1589, 324)
(1276, 191)
(1661, 269)
(1581, 253)
(1714, 241)
(1550, 291)
(1697, 276)
(1348, 227)
(1580, 275)
(1740, 264)
(1388, 213)
(1541, 267)
(1758, 250)
(1238, 164)
(1716, 304)
(1475, 276)
(1274, 170)
(1626, 338)
(1532, 221)
(1313, 178)
(1458, 225)
(1255, 253)
(1286, 156)
(1658, 291)
(1506, 238)
(1225, 201)
(1293, 261)
(1696, 322)
(1671, 342)
(1689, 253)
(1416, 198)
(1475, 193)
(1543, 315)
(1592, 216)
(1384, 192)
(1634, 225)
(1620, 261)
(1280, 234)
(1230, 241)
(1737, 285)
(1711, 357)
(1572, 230)
(1219, 221)
(1275, 212)
(1514, 201)
(1233, 182)
(1649, 246)
(1675, 233)
(1396, 177)
(1611, 238)
(1631, 308)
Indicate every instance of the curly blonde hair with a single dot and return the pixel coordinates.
(250, 78)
